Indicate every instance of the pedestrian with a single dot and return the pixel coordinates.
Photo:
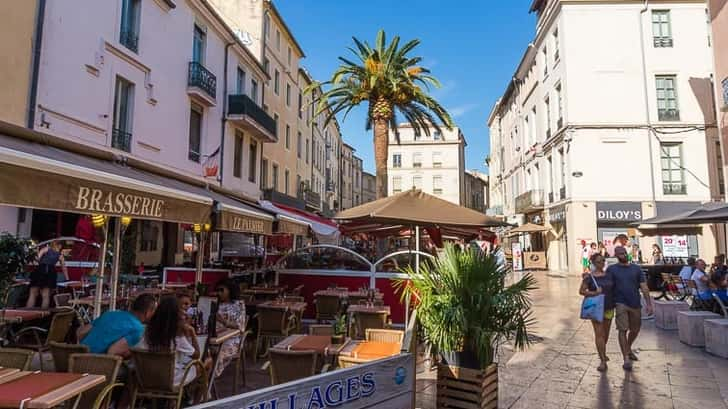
(656, 257)
(628, 281)
(600, 282)
(636, 253)
(603, 250)
(43, 279)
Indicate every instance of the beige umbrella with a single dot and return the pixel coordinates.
(528, 228)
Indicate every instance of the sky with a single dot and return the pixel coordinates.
(471, 46)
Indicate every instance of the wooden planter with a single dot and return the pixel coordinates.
(466, 388)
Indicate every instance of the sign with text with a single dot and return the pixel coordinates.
(385, 383)
(675, 246)
(230, 221)
(619, 211)
(517, 253)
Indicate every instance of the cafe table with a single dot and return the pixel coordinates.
(370, 350)
(43, 390)
(372, 309)
(10, 317)
(212, 346)
(319, 343)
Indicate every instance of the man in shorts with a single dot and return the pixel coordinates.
(628, 281)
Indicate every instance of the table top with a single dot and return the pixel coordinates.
(21, 315)
(374, 309)
(371, 349)
(319, 343)
(89, 300)
(7, 372)
(57, 395)
(296, 306)
(264, 290)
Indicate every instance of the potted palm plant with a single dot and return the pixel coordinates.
(467, 309)
(15, 254)
(339, 327)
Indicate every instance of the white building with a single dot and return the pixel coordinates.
(608, 121)
(435, 163)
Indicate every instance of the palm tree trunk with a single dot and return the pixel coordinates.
(381, 153)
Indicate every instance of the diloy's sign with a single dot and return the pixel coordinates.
(619, 211)
(385, 383)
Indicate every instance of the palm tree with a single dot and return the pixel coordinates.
(390, 80)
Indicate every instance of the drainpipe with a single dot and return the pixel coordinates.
(223, 121)
(647, 99)
(35, 64)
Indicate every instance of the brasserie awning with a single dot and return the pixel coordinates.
(234, 215)
(41, 176)
(292, 222)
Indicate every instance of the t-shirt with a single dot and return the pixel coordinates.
(702, 285)
(627, 280)
(606, 282)
(686, 272)
(110, 327)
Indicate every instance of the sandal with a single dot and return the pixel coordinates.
(602, 366)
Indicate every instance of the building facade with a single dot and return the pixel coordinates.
(476, 190)
(434, 163)
(346, 176)
(608, 120)
(369, 188)
(356, 179)
(718, 10)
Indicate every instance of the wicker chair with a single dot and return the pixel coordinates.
(154, 377)
(293, 298)
(348, 362)
(16, 293)
(239, 363)
(61, 352)
(63, 300)
(385, 335)
(366, 320)
(327, 307)
(16, 358)
(98, 397)
(286, 366)
(274, 323)
(323, 329)
(60, 325)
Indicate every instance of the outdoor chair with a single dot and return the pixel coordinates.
(698, 304)
(98, 397)
(348, 362)
(61, 352)
(721, 305)
(16, 358)
(327, 307)
(154, 377)
(274, 323)
(286, 366)
(358, 299)
(239, 359)
(60, 325)
(368, 320)
(320, 329)
(63, 300)
(16, 293)
(385, 335)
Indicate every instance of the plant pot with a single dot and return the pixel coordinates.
(462, 387)
(461, 359)
(337, 339)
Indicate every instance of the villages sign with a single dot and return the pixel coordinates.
(386, 383)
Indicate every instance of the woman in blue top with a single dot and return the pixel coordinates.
(43, 278)
(600, 282)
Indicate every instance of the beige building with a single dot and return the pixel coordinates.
(369, 190)
(356, 182)
(719, 24)
(347, 176)
(476, 190)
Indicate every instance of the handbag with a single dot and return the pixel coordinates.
(592, 308)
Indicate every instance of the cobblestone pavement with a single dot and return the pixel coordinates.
(559, 370)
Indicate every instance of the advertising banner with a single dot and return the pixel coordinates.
(675, 246)
(517, 253)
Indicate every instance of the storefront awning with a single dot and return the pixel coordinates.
(40, 176)
(679, 216)
(290, 219)
(236, 216)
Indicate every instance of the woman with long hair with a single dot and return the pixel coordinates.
(656, 257)
(230, 314)
(596, 283)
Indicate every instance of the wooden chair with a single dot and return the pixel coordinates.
(286, 366)
(60, 325)
(384, 335)
(320, 329)
(348, 362)
(154, 377)
(327, 307)
(274, 323)
(16, 358)
(63, 300)
(99, 397)
(367, 320)
(61, 352)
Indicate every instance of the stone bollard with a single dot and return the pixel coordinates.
(690, 326)
(716, 337)
(666, 313)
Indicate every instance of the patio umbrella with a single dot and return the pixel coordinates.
(528, 228)
(711, 212)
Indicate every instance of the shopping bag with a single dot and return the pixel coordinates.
(592, 308)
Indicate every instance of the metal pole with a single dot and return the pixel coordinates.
(100, 276)
(417, 249)
(114, 283)
(200, 258)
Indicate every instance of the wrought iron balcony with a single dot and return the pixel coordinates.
(530, 200)
(662, 42)
(121, 140)
(284, 199)
(242, 108)
(668, 114)
(130, 40)
(200, 77)
(669, 188)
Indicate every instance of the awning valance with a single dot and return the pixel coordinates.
(326, 233)
(235, 216)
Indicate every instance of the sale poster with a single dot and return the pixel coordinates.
(675, 246)
(517, 253)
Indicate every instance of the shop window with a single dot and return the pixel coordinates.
(252, 161)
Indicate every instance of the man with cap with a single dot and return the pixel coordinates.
(628, 281)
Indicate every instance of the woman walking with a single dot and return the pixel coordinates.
(596, 283)
(43, 278)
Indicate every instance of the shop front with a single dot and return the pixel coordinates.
(677, 242)
(617, 218)
(557, 239)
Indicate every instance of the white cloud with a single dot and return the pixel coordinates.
(460, 110)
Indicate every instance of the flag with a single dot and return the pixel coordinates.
(211, 164)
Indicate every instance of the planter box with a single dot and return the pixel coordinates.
(716, 337)
(666, 313)
(691, 328)
(466, 388)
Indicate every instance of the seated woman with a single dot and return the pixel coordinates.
(230, 314)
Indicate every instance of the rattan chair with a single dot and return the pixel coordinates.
(274, 323)
(63, 300)
(99, 397)
(57, 331)
(61, 352)
(286, 366)
(16, 358)
(384, 335)
(293, 298)
(154, 377)
(327, 307)
(239, 363)
(321, 329)
(368, 320)
(348, 362)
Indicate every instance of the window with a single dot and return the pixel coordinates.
(545, 55)
(299, 145)
(275, 177)
(417, 160)
(276, 82)
(417, 182)
(286, 181)
(397, 160)
(254, 90)
(198, 45)
(552, 177)
(436, 159)
(266, 65)
(129, 33)
(673, 174)
(721, 175)
(288, 95)
(556, 46)
(559, 107)
(562, 166)
(288, 137)
(238, 155)
(300, 188)
(264, 174)
(123, 108)
(547, 106)
(275, 119)
(437, 135)
(240, 81)
(289, 56)
(661, 30)
(253, 159)
(300, 105)
(195, 139)
(532, 124)
(278, 40)
(437, 184)
(396, 184)
(306, 150)
(150, 234)
(667, 108)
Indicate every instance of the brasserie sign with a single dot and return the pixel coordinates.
(128, 204)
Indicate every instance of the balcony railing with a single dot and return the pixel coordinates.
(662, 42)
(284, 199)
(674, 188)
(243, 105)
(200, 77)
(668, 114)
(531, 200)
(130, 40)
(121, 140)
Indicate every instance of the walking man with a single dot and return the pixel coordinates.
(628, 280)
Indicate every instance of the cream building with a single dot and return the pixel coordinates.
(476, 190)
(434, 163)
(608, 121)
(369, 189)
(347, 178)
(356, 180)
